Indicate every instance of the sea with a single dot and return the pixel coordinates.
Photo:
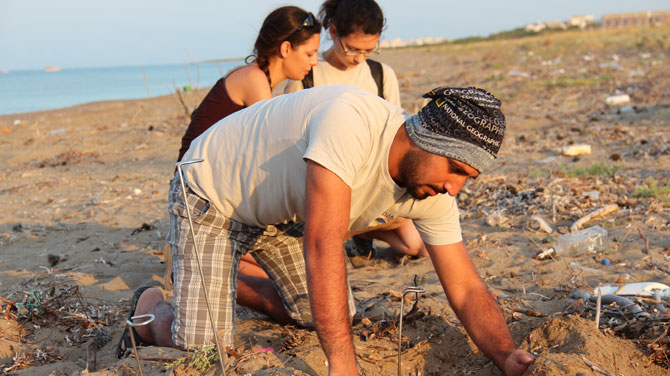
(36, 90)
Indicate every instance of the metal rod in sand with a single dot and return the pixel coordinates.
(406, 290)
(197, 258)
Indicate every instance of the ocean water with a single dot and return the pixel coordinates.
(35, 90)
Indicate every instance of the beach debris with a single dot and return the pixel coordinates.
(577, 225)
(496, 219)
(102, 337)
(587, 240)
(537, 223)
(617, 100)
(546, 254)
(137, 191)
(644, 321)
(17, 121)
(517, 73)
(55, 259)
(605, 262)
(596, 368)
(575, 150)
(607, 299)
(143, 228)
(57, 131)
(646, 289)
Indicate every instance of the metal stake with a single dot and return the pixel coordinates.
(406, 290)
(197, 258)
(149, 318)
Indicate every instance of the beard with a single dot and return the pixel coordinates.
(409, 175)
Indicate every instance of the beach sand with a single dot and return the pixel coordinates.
(84, 193)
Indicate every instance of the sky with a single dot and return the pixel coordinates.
(101, 33)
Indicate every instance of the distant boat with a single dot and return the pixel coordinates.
(50, 68)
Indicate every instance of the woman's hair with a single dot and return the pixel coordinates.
(350, 16)
(282, 24)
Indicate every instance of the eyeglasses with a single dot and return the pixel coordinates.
(366, 53)
(308, 22)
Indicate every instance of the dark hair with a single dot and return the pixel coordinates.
(350, 16)
(281, 25)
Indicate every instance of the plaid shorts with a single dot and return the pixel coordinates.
(221, 243)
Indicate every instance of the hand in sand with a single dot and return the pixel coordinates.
(517, 362)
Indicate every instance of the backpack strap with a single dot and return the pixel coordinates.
(308, 81)
(377, 74)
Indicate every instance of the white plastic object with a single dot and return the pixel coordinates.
(617, 100)
(591, 239)
(636, 289)
(574, 150)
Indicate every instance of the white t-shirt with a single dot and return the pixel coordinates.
(254, 169)
(359, 76)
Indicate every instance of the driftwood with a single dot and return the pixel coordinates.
(181, 100)
(593, 215)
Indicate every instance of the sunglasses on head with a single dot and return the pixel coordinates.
(307, 22)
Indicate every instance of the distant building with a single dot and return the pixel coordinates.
(646, 18)
(660, 17)
(397, 42)
(582, 21)
(556, 25)
(536, 27)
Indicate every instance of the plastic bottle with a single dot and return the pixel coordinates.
(591, 239)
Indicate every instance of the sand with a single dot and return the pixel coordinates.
(84, 193)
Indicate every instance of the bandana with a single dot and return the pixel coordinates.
(464, 124)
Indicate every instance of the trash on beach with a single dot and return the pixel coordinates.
(57, 131)
(496, 219)
(598, 213)
(588, 240)
(574, 150)
(611, 65)
(537, 223)
(546, 254)
(17, 122)
(617, 100)
(645, 289)
(516, 73)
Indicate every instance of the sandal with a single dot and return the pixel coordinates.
(125, 336)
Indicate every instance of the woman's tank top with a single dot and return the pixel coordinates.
(216, 105)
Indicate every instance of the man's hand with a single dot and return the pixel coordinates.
(517, 362)
(474, 306)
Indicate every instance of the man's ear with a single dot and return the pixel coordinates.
(284, 49)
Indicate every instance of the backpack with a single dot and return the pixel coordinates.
(375, 69)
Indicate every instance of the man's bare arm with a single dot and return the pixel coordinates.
(474, 306)
(327, 207)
